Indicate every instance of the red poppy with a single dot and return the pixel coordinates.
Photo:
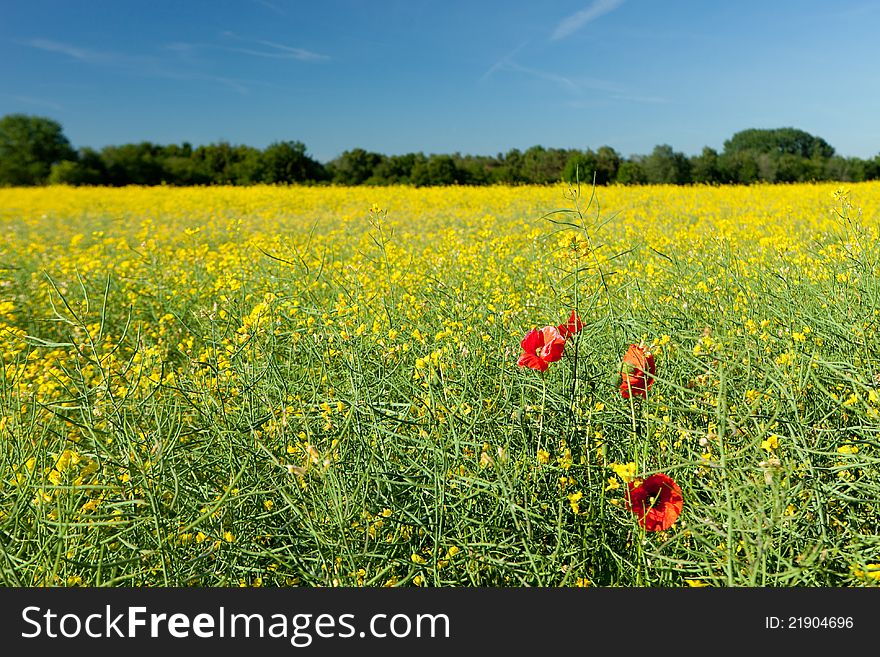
(540, 348)
(574, 326)
(657, 502)
(638, 370)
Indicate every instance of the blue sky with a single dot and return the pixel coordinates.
(444, 76)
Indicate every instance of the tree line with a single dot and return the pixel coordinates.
(34, 151)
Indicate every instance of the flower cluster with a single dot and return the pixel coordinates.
(540, 348)
(637, 372)
(656, 501)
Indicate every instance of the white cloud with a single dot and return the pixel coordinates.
(270, 49)
(503, 62)
(574, 85)
(82, 54)
(29, 100)
(571, 24)
(147, 66)
(268, 5)
(293, 53)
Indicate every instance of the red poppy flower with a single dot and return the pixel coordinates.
(657, 502)
(540, 348)
(574, 326)
(638, 370)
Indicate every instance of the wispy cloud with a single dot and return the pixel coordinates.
(279, 51)
(272, 7)
(38, 102)
(571, 24)
(505, 61)
(74, 52)
(270, 49)
(583, 91)
(180, 60)
(605, 101)
(148, 66)
(181, 47)
(577, 86)
(637, 98)
(238, 86)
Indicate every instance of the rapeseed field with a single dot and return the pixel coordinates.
(397, 386)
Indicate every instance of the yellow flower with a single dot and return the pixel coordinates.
(870, 572)
(626, 471)
(574, 500)
(784, 359)
(771, 442)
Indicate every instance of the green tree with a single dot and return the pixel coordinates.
(872, 168)
(607, 165)
(846, 169)
(632, 172)
(435, 170)
(354, 167)
(179, 167)
(778, 141)
(88, 169)
(66, 172)
(665, 166)
(393, 170)
(788, 168)
(540, 165)
(225, 164)
(29, 146)
(246, 167)
(133, 164)
(739, 167)
(581, 166)
(586, 166)
(705, 167)
(475, 169)
(509, 168)
(287, 162)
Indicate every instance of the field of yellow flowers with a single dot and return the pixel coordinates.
(323, 386)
